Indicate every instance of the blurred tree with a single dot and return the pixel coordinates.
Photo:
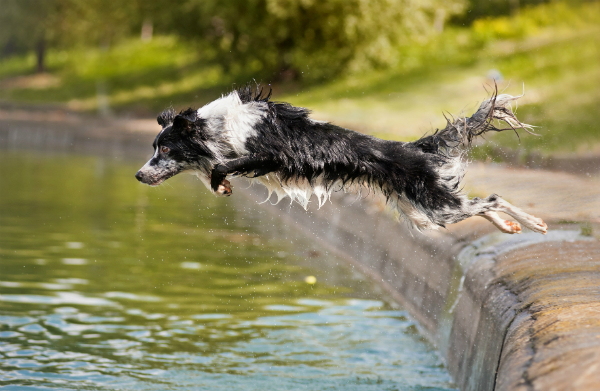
(23, 27)
(38, 24)
(309, 39)
(275, 39)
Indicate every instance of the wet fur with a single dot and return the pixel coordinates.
(278, 145)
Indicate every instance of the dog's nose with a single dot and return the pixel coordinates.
(138, 175)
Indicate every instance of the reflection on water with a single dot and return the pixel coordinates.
(108, 284)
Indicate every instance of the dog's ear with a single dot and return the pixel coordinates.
(166, 117)
(183, 124)
(185, 121)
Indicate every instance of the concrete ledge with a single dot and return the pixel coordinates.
(516, 306)
(507, 312)
(554, 342)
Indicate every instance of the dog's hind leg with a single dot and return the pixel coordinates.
(506, 226)
(533, 223)
(488, 207)
(417, 218)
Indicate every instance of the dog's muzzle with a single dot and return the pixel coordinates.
(148, 178)
(154, 177)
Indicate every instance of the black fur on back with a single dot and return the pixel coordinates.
(302, 148)
(308, 149)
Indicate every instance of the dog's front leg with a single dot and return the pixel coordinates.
(259, 164)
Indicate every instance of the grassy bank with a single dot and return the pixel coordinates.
(551, 49)
(556, 64)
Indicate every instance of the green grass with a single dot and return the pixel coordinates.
(552, 49)
(564, 77)
(134, 74)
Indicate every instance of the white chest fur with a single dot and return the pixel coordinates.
(233, 120)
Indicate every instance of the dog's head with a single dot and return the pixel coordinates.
(181, 145)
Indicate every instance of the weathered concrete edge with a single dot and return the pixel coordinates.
(489, 313)
(445, 280)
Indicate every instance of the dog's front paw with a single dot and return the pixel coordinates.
(224, 189)
(217, 177)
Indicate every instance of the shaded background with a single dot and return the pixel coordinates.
(385, 67)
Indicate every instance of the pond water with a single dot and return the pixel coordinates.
(109, 284)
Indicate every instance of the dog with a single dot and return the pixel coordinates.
(244, 133)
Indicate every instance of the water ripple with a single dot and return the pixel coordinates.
(110, 285)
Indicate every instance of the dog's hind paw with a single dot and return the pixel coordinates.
(224, 189)
(535, 224)
(508, 227)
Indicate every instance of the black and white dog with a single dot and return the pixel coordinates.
(279, 145)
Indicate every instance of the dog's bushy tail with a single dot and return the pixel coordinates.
(459, 132)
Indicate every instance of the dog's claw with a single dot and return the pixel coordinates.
(539, 226)
(535, 224)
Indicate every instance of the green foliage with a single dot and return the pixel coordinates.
(68, 23)
(145, 75)
(128, 59)
(23, 22)
(482, 9)
(565, 76)
(38, 24)
(281, 39)
(17, 65)
(308, 39)
(278, 40)
(530, 20)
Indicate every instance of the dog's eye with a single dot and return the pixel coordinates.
(164, 149)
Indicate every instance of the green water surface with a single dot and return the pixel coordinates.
(109, 284)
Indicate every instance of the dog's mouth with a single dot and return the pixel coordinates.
(156, 183)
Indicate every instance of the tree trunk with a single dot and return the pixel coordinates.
(514, 7)
(40, 53)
